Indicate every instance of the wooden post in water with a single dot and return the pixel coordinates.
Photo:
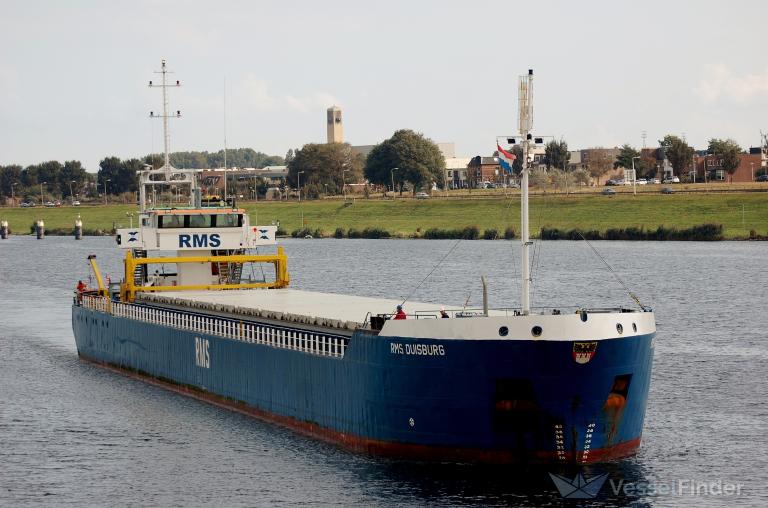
(78, 228)
(40, 229)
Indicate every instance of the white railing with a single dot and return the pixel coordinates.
(315, 343)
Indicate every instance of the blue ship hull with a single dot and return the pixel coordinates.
(502, 400)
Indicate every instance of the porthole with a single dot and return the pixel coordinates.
(583, 315)
(619, 328)
(536, 331)
(503, 331)
(634, 327)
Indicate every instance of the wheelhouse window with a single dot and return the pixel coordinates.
(229, 220)
(170, 221)
(200, 221)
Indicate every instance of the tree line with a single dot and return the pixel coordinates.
(117, 176)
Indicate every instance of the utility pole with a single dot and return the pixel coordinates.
(298, 183)
(344, 183)
(13, 200)
(634, 177)
(105, 190)
(71, 194)
(392, 174)
(42, 200)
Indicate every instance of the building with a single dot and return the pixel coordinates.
(711, 166)
(456, 172)
(483, 169)
(335, 125)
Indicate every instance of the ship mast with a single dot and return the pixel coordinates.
(166, 135)
(525, 99)
(166, 177)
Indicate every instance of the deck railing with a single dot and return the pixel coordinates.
(316, 343)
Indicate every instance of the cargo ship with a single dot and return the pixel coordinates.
(493, 385)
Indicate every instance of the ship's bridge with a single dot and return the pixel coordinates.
(183, 229)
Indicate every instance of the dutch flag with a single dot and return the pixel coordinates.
(505, 159)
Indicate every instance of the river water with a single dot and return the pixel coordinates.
(74, 434)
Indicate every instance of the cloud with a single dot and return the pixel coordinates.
(720, 82)
(256, 93)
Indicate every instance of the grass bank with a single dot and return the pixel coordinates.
(738, 213)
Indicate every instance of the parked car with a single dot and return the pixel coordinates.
(673, 179)
(642, 181)
(422, 195)
(667, 190)
(608, 192)
(75, 203)
(762, 178)
(612, 182)
(654, 180)
(50, 204)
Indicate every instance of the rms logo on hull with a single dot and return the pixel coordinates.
(201, 240)
(202, 356)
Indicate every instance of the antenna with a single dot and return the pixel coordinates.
(166, 135)
(644, 135)
(225, 139)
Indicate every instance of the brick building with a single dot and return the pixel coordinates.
(750, 165)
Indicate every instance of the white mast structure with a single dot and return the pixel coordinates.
(166, 175)
(525, 99)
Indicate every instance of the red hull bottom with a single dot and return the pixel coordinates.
(382, 448)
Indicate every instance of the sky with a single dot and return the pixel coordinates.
(74, 74)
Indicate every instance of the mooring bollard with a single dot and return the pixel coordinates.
(40, 229)
(4, 231)
(78, 228)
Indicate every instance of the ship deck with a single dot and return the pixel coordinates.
(343, 308)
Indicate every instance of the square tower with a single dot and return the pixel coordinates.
(335, 126)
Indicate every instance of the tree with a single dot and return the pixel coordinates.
(624, 159)
(236, 158)
(72, 171)
(418, 160)
(677, 151)
(331, 164)
(121, 175)
(8, 176)
(646, 166)
(581, 177)
(728, 150)
(599, 162)
(556, 154)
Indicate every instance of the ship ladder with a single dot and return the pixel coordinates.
(140, 271)
(236, 269)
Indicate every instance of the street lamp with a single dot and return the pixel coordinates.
(42, 201)
(71, 195)
(105, 189)
(13, 201)
(392, 173)
(344, 183)
(298, 183)
(634, 176)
